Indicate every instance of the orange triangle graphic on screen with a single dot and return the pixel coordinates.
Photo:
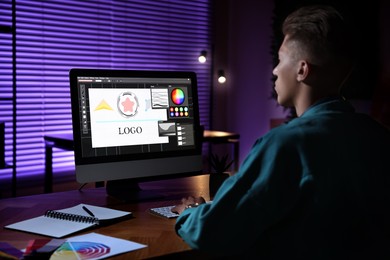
(103, 105)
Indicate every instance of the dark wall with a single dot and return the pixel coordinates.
(244, 103)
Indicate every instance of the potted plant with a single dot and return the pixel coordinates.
(219, 173)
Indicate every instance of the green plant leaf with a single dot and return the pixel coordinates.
(220, 164)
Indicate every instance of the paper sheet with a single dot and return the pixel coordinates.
(93, 246)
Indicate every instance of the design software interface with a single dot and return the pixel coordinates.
(122, 116)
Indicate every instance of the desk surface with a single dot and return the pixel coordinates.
(156, 232)
(208, 135)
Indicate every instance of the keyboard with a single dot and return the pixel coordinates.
(164, 212)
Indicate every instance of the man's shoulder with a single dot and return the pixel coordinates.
(282, 133)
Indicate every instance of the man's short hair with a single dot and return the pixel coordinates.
(326, 37)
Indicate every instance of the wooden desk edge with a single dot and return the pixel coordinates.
(157, 232)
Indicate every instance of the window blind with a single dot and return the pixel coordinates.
(54, 36)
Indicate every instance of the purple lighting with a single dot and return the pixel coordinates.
(54, 36)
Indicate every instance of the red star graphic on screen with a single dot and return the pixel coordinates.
(128, 105)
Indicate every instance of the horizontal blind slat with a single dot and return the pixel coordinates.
(54, 36)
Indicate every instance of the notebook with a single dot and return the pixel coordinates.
(60, 223)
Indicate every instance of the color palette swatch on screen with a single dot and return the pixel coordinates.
(177, 96)
(178, 111)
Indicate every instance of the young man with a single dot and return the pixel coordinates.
(317, 187)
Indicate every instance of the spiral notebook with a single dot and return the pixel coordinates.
(63, 222)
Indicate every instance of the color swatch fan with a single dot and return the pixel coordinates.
(81, 250)
(93, 246)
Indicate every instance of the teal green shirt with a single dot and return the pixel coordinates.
(317, 186)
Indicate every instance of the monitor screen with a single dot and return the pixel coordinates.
(135, 125)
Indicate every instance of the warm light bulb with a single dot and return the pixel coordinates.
(221, 79)
(202, 59)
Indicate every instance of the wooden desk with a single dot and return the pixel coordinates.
(156, 232)
(65, 141)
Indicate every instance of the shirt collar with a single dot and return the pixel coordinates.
(329, 104)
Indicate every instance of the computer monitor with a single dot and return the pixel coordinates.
(134, 126)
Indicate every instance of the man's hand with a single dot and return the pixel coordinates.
(188, 202)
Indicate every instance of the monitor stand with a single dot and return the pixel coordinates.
(129, 190)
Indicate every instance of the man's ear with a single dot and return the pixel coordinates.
(303, 70)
